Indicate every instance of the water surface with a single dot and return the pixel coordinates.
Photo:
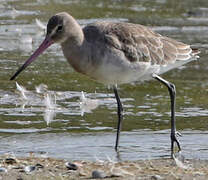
(71, 127)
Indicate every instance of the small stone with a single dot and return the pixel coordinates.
(10, 161)
(78, 164)
(81, 173)
(197, 173)
(19, 178)
(2, 169)
(17, 167)
(71, 166)
(98, 174)
(29, 169)
(156, 177)
(39, 166)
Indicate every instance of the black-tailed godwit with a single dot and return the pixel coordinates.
(117, 53)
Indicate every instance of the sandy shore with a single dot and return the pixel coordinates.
(33, 168)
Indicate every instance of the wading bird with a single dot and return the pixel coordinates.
(117, 53)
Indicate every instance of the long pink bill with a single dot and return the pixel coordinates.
(44, 45)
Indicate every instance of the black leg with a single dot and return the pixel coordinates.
(172, 92)
(120, 116)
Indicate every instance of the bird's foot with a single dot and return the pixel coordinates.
(174, 139)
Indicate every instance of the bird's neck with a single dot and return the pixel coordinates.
(76, 36)
(76, 51)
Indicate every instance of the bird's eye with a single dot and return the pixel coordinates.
(60, 27)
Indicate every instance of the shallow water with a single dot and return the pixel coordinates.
(58, 120)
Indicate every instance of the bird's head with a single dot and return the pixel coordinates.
(56, 33)
(60, 27)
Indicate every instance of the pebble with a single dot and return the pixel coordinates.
(39, 166)
(19, 178)
(10, 160)
(29, 169)
(156, 177)
(71, 166)
(98, 174)
(2, 169)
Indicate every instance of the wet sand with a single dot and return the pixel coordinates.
(49, 168)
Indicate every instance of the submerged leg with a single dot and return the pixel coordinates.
(120, 116)
(172, 92)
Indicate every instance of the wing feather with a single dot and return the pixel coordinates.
(139, 43)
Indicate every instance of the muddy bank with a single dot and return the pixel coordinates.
(48, 168)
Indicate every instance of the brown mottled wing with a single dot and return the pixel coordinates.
(135, 41)
(138, 43)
